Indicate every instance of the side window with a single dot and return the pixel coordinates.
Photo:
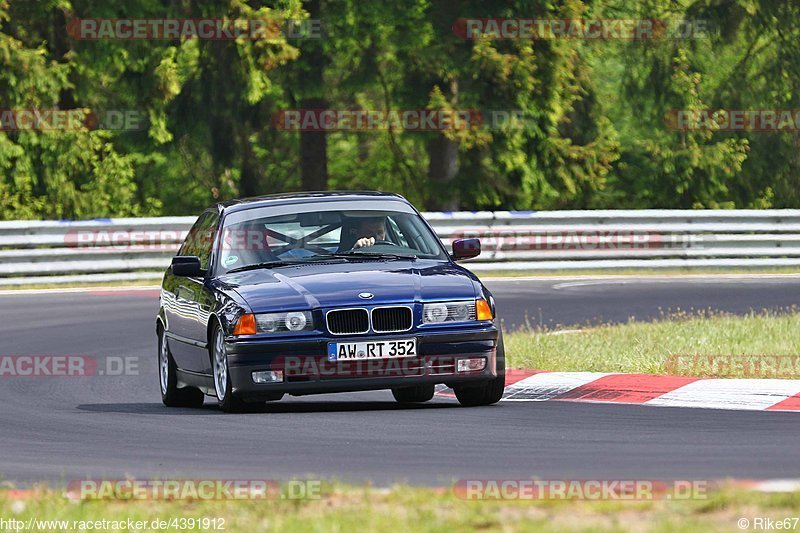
(200, 240)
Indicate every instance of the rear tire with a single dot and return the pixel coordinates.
(171, 395)
(417, 394)
(488, 393)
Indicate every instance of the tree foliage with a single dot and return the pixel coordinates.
(591, 128)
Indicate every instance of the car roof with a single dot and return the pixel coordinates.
(303, 197)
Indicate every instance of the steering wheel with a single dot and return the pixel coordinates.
(377, 242)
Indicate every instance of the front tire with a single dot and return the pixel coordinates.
(228, 402)
(489, 393)
(171, 395)
(417, 394)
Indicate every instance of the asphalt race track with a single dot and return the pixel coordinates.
(59, 429)
(581, 301)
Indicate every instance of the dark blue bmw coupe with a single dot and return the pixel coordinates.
(324, 292)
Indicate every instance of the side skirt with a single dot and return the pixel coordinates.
(204, 382)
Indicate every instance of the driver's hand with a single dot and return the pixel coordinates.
(364, 242)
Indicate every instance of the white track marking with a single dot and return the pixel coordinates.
(778, 485)
(564, 332)
(548, 385)
(738, 394)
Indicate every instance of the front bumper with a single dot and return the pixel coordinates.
(307, 370)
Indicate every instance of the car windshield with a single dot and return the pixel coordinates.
(270, 236)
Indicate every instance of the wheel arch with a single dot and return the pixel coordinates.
(213, 321)
(161, 321)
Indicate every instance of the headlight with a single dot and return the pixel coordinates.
(436, 313)
(281, 322)
(274, 323)
(297, 321)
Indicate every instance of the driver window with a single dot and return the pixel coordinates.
(200, 239)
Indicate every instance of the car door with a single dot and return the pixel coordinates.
(192, 301)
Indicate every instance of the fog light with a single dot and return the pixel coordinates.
(471, 365)
(272, 376)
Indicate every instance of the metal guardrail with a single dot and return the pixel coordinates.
(131, 248)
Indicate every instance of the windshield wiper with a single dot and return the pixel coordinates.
(265, 264)
(285, 262)
(343, 256)
(373, 255)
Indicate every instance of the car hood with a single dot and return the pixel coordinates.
(339, 284)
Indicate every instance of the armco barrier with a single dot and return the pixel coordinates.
(131, 248)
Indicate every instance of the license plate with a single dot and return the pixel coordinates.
(356, 351)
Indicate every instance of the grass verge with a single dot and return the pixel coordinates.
(406, 508)
(679, 344)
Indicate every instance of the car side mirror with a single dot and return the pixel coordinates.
(186, 265)
(466, 248)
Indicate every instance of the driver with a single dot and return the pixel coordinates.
(372, 230)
